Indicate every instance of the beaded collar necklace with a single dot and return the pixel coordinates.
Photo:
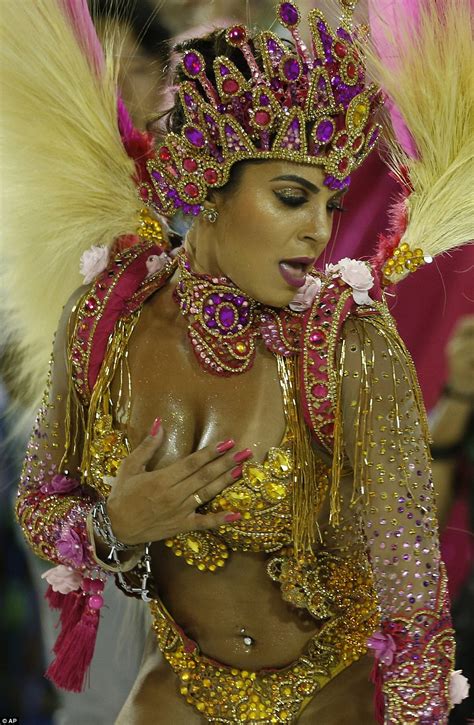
(224, 324)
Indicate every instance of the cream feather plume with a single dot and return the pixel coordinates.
(424, 63)
(67, 179)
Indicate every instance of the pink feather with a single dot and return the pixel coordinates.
(391, 24)
(78, 14)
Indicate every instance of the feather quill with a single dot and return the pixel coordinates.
(425, 67)
(67, 179)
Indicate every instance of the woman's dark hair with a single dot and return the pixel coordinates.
(142, 18)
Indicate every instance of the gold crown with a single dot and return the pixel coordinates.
(304, 106)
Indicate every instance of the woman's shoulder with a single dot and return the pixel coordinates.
(114, 295)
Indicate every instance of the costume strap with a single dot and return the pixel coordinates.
(116, 293)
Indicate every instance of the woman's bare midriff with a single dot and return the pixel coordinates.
(217, 610)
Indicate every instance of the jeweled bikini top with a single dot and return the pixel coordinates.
(264, 497)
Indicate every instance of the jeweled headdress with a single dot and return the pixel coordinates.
(299, 104)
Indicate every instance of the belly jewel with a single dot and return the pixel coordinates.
(248, 641)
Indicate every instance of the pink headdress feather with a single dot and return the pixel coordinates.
(387, 18)
(84, 29)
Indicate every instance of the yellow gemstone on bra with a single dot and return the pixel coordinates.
(193, 544)
(255, 475)
(275, 491)
(241, 347)
(283, 461)
(240, 497)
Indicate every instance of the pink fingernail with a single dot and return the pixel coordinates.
(225, 446)
(232, 517)
(155, 427)
(236, 472)
(242, 456)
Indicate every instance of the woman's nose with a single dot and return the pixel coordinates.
(317, 230)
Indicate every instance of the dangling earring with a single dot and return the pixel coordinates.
(210, 215)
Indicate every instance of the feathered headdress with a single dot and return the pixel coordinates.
(70, 159)
(422, 57)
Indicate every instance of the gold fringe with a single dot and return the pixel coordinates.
(338, 454)
(309, 487)
(101, 393)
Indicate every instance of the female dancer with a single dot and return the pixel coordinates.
(240, 439)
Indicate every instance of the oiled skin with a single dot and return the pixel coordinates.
(197, 409)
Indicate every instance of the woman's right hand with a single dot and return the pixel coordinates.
(155, 505)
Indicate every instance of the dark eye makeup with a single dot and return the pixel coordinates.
(295, 199)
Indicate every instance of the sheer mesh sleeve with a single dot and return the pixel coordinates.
(52, 503)
(385, 436)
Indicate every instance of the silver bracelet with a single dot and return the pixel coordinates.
(142, 590)
(103, 529)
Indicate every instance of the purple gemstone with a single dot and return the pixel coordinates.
(211, 323)
(264, 100)
(189, 101)
(224, 71)
(289, 14)
(227, 316)
(324, 131)
(192, 63)
(194, 136)
(291, 69)
(373, 137)
(215, 299)
(295, 125)
(209, 310)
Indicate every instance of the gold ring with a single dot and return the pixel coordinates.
(199, 500)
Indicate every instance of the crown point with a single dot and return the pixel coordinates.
(236, 35)
(289, 14)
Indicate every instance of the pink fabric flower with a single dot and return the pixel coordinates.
(63, 579)
(384, 647)
(63, 484)
(70, 547)
(93, 262)
(156, 262)
(358, 276)
(304, 298)
(458, 687)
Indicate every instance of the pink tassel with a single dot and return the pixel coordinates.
(55, 600)
(72, 611)
(379, 703)
(73, 658)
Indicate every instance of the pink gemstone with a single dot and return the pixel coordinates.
(341, 141)
(96, 601)
(319, 391)
(91, 304)
(343, 165)
(191, 190)
(189, 165)
(230, 86)
(317, 337)
(340, 50)
(351, 70)
(262, 118)
(210, 176)
(164, 153)
(237, 35)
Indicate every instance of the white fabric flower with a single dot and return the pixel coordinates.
(93, 262)
(332, 270)
(304, 298)
(458, 687)
(358, 276)
(156, 262)
(63, 579)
